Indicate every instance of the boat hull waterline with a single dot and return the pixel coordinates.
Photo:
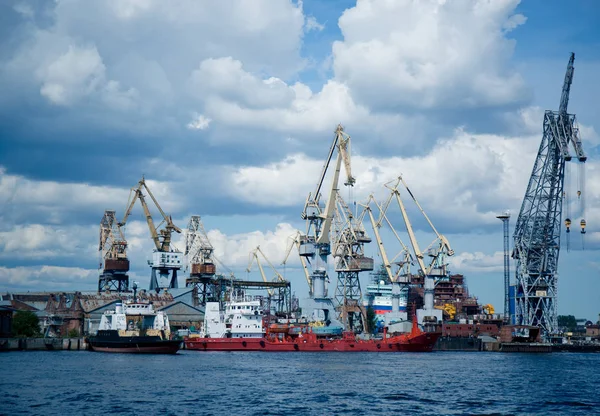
(135, 346)
(423, 342)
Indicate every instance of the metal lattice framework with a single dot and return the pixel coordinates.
(199, 254)
(198, 248)
(348, 239)
(113, 255)
(537, 231)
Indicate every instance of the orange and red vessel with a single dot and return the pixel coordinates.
(416, 341)
(290, 338)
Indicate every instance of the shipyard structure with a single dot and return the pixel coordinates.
(412, 290)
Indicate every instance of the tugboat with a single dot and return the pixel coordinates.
(134, 327)
(240, 328)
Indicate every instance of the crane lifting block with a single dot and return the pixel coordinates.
(364, 264)
(116, 265)
(204, 269)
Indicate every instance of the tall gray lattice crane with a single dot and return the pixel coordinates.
(537, 232)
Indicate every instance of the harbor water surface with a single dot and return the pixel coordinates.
(191, 382)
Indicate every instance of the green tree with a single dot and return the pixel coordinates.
(73, 333)
(567, 322)
(371, 319)
(25, 324)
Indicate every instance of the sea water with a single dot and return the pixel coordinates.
(244, 383)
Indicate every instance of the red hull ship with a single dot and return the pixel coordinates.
(415, 341)
(422, 342)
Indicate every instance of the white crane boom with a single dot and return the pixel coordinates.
(409, 228)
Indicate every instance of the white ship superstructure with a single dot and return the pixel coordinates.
(242, 318)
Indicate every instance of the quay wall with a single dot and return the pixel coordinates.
(43, 344)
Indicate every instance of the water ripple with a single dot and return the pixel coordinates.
(486, 384)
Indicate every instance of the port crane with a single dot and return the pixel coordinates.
(281, 299)
(348, 239)
(165, 259)
(400, 277)
(537, 231)
(315, 244)
(199, 253)
(438, 251)
(113, 255)
(294, 241)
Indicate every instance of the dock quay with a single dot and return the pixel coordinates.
(43, 344)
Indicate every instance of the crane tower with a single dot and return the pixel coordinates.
(349, 238)
(537, 231)
(113, 255)
(315, 245)
(165, 259)
(199, 252)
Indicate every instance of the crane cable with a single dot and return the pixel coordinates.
(581, 196)
(567, 204)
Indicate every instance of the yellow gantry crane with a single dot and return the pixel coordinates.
(164, 258)
(162, 242)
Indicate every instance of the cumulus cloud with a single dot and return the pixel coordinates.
(234, 250)
(235, 97)
(471, 176)
(312, 24)
(429, 54)
(75, 73)
(39, 277)
(22, 199)
(37, 241)
(477, 262)
(199, 122)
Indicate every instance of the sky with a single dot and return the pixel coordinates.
(228, 109)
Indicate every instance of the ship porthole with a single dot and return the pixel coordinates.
(321, 346)
(244, 343)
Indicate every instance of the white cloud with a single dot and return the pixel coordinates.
(237, 98)
(24, 9)
(37, 241)
(226, 77)
(128, 9)
(234, 250)
(275, 184)
(429, 54)
(312, 24)
(477, 262)
(589, 135)
(72, 75)
(38, 277)
(199, 122)
(467, 176)
(55, 201)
